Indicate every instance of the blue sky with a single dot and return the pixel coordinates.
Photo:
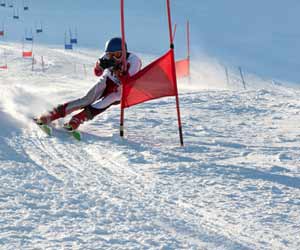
(261, 36)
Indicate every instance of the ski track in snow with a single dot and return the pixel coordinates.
(235, 184)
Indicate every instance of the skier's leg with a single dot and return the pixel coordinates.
(93, 110)
(62, 110)
(92, 95)
(52, 115)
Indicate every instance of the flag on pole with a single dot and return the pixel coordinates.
(183, 68)
(27, 54)
(154, 81)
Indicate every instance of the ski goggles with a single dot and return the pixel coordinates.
(115, 55)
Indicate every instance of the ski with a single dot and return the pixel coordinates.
(75, 134)
(48, 129)
(44, 127)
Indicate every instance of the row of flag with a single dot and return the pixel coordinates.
(28, 35)
(10, 4)
(28, 39)
(68, 42)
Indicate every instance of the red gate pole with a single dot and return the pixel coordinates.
(188, 48)
(174, 32)
(188, 37)
(124, 68)
(170, 24)
(174, 72)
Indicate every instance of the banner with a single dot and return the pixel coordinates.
(182, 68)
(154, 81)
(27, 54)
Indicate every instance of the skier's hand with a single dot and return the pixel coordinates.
(105, 63)
(98, 70)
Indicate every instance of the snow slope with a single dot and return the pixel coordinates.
(235, 184)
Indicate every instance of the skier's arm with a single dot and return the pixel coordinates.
(134, 65)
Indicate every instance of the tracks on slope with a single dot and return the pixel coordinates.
(91, 170)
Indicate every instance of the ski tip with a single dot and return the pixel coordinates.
(37, 121)
(76, 135)
(44, 127)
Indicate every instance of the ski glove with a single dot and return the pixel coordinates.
(105, 63)
(98, 71)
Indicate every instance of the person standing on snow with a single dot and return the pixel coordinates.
(105, 93)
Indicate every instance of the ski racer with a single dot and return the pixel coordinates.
(105, 93)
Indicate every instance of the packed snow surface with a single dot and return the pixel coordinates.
(234, 185)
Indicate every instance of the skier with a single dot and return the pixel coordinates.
(105, 93)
